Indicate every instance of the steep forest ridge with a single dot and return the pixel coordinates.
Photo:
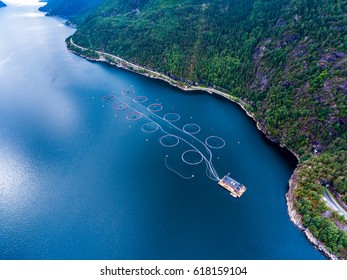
(75, 10)
(285, 59)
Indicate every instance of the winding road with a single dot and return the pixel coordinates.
(331, 201)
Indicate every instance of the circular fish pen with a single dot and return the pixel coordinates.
(150, 127)
(192, 157)
(169, 140)
(134, 116)
(171, 117)
(191, 128)
(156, 107)
(140, 99)
(215, 142)
(108, 98)
(120, 106)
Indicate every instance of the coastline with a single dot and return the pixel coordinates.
(121, 63)
(295, 217)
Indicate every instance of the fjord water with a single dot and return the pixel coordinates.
(80, 181)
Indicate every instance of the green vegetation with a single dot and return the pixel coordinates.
(318, 172)
(285, 59)
(75, 10)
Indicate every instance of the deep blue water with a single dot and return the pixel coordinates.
(80, 181)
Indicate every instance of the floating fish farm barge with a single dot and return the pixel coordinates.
(235, 188)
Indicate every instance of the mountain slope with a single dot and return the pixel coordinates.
(173, 36)
(285, 59)
(75, 9)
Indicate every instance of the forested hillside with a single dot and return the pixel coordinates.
(285, 59)
(73, 9)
